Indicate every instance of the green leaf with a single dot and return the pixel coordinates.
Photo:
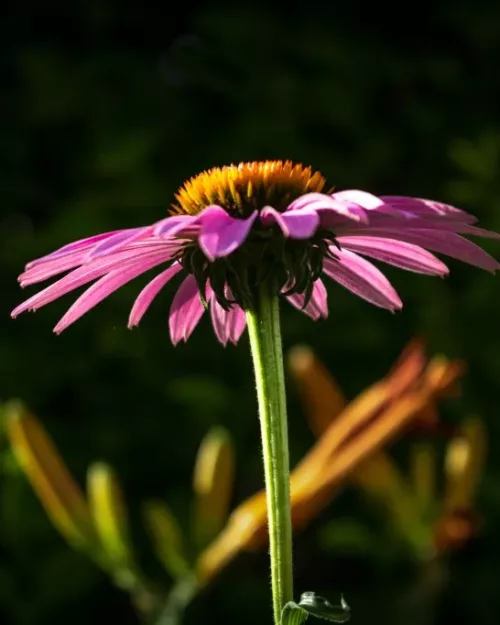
(293, 614)
(166, 534)
(311, 604)
(322, 608)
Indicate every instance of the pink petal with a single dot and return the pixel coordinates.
(237, 323)
(362, 278)
(228, 325)
(330, 210)
(86, 273)
(149, 292)
(47, 269)
(296, 224)
(81, 245)
(53, 264)
(186, 311)
(117, 241)
(219, 321)
(317, 306)
(447, 243)
(220, 233)
(297, 300)
(101, 289)
(178, 225)
(361, 198)
(423, 207)
(397, 253)
(388, 217)
(476, 232)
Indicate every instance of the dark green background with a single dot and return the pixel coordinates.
(106, 107)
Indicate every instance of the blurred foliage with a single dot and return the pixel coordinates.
(349, 447)
(106, 108)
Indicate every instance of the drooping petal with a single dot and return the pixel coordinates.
(296, 224)
(388, 217)
(116, 241)
(330, 210)
(52, 267)
(86, 273)
(219, 321)
(237, 322)
(220, 233)
(149, 292)
(317, 306)
(474, 231)
(177, 226)
(82, 245)
(297, 300)
(361, 198)
(186, 311)
(229, 324)
(398, 253)
(447, 243)
(106, 285)
(362, 278)
(422, 207)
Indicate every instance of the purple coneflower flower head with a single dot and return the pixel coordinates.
(233, 228)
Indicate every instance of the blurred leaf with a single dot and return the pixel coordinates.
(423, 473)
(167, 537)
(192, 391)
(347, 536)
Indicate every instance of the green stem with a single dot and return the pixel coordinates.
(265, 341)
(177, 601)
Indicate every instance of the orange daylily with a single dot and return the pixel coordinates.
(350, 439)
(349, 434)
(413, 502)
(59, 493)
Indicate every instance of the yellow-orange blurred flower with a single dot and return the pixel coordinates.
(60, 495)
(109, 514)
(212, 485)
(213, 479)
(99, 527)
(428, 521)
(464, 463)
(350, 438)
(350, 435)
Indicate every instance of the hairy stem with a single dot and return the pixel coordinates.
(265, 341)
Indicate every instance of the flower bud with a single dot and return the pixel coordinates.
(58, 492)
(212, 485)
(110, 519)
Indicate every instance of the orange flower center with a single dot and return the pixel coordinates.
(242, 188)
